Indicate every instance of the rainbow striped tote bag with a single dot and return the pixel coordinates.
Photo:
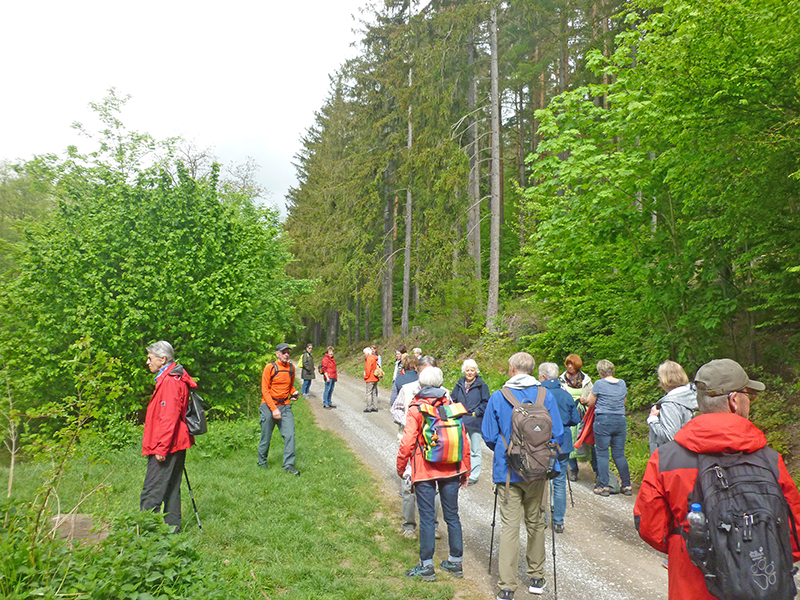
(442, 432)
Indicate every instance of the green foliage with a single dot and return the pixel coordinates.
(137, 561)
(139, 252)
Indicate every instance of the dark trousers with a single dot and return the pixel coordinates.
(162, 485)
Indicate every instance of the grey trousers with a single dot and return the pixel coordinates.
(285, 427)
(162, 486)
(371, 394)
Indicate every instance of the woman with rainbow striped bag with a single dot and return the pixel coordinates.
(435, 443)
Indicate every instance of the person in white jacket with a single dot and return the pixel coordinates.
(673, 410)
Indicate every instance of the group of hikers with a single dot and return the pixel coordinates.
(709, 463)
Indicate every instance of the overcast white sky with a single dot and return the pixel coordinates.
(243, 77)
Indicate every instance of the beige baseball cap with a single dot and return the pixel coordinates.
(723, 376)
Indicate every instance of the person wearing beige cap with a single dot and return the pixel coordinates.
(716, 442)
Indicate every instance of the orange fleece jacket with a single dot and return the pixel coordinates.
(277, 390)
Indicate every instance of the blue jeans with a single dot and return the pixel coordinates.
(285, 427)
(328, 392)
(306, 387)
(610, 431)
(560, 491)
(426, 499)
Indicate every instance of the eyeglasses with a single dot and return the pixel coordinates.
(750, 395)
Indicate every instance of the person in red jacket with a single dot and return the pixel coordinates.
(371, 380)
(724, 395)
(329, 374)
(166, 436)
(427, 477)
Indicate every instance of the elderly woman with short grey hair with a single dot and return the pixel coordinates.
(608, 397)
(474, 394)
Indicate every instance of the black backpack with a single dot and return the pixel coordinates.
(749, 526)
(195, 414)
(529, 450)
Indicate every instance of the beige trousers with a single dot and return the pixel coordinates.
(523, 501)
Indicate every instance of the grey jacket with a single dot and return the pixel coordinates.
(307, 366)
(675, 410)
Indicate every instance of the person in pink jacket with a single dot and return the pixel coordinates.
(166, 436)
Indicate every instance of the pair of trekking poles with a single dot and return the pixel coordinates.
(552, 530)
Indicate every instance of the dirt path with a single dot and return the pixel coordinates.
(599, 555)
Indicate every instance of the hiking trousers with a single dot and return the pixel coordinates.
(162, 486)
(285, 427)
(371, 395)
(523, 502)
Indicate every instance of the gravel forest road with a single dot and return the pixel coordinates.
(599, 556)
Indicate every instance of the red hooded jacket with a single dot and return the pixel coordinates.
(662, 501)
(165, 429)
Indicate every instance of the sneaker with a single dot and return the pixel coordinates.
(291, 470)
(367, 410)
(537, 585)
(455, 569)
(409, 533)
(505, 595)
(424, 573)
(558, 528)
(602, 491)
(627, 491)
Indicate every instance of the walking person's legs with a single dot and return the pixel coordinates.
(602, 441)
(267, 425)
(286, 427)
(560, 493)
(475, 451)
(618, 451)
(510, 506)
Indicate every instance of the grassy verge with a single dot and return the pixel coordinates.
(326, 534)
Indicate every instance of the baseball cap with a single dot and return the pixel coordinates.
(282, 347)
(723, 376)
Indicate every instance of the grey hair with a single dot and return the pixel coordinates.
(367, 350)
(416, 351)
(427, 361)
(712, 404)
(522, 362)
(605, 368)
(469, 363)
(432, 376)
(548, 370)
(162, 349)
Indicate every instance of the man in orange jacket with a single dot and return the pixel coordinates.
(277, 393)
(166, 436)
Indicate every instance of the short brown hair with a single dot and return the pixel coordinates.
(575, 360)
(410, 362)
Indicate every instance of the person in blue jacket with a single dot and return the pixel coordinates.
(548, 376)
(523, 498)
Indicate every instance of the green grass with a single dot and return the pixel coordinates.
(326, 534)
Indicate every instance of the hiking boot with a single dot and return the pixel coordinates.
(424, 573)
(505, 595)
(291, 470)
(455, 569)
(602, 491)
(558, 528)
(573, 475)
(437, 534)
(537, 585)
(627, 491)
(471, 481)
(409, 533)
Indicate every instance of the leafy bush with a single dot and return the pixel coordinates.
(138, 561)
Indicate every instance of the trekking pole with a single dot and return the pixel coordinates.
(553, 533)
(194, 504)
(569, 486)
(491, 541)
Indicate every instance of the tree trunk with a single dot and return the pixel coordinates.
(474, 196)
(358, 316)
(494, 229)
(407, 256)
(387, 287)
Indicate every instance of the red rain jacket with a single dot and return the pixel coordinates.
(413, 442)
(165, 429)
(662, 501)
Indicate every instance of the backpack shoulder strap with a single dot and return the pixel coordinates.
(274, 364)
(508, 395)
(541, 394)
